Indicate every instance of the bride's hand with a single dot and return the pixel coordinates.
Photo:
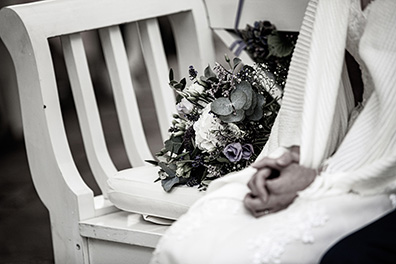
(283, 190)
(268, 168)
(270, 192)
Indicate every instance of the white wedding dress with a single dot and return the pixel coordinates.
(218, 229)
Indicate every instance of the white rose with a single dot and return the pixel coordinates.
(184, 107)
(205, 130)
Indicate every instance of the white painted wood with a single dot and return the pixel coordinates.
(87, 110)
(287, 15)
(54, 17)
(194, 42)
(228, 38)
(54, 174)
(105, 252)
(125, 99)
(157, 66)
(103, 206)
(123, 227)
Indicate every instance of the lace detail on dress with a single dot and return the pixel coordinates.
(268, 248)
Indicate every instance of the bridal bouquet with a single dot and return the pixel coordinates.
(224, 119)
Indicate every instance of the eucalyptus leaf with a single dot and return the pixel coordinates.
(168, 145)
(234, 117)
(177, 143)
(172, 166)
(236, 62)
(250, 111)
(221, 106)
(260, 100)
(170, 172)
(168, 183)
(278, 46)
(258, 110)
(238, 99)
(174, 144)
(245, 87)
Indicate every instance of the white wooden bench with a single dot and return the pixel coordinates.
(87, 228)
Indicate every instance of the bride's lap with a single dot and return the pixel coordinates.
(218, 229)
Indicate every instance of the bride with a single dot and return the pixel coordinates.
(329, 166)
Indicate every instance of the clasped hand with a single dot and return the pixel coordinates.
(275, 184)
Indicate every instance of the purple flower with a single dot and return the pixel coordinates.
(247, 151)
(233, 152)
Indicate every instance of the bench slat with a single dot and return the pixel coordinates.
(125, 99)
(87, 110)
(194, 41)
(157, 65)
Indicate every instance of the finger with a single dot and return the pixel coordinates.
(280, 202)
(258, 182)
(248, 201)
(295, 150)
(261, 189)
(275, 186)
(263, 213)
(253, 204)
(295, 155)
(281, 185)
(287, 158)
(266, 162)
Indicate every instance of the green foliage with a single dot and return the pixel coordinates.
(278, 46)
(243, 103)
(174, 144)
(265, 44)
(170, 182)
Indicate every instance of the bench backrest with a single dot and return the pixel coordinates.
(26, 30)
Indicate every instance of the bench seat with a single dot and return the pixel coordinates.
(134, 190)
